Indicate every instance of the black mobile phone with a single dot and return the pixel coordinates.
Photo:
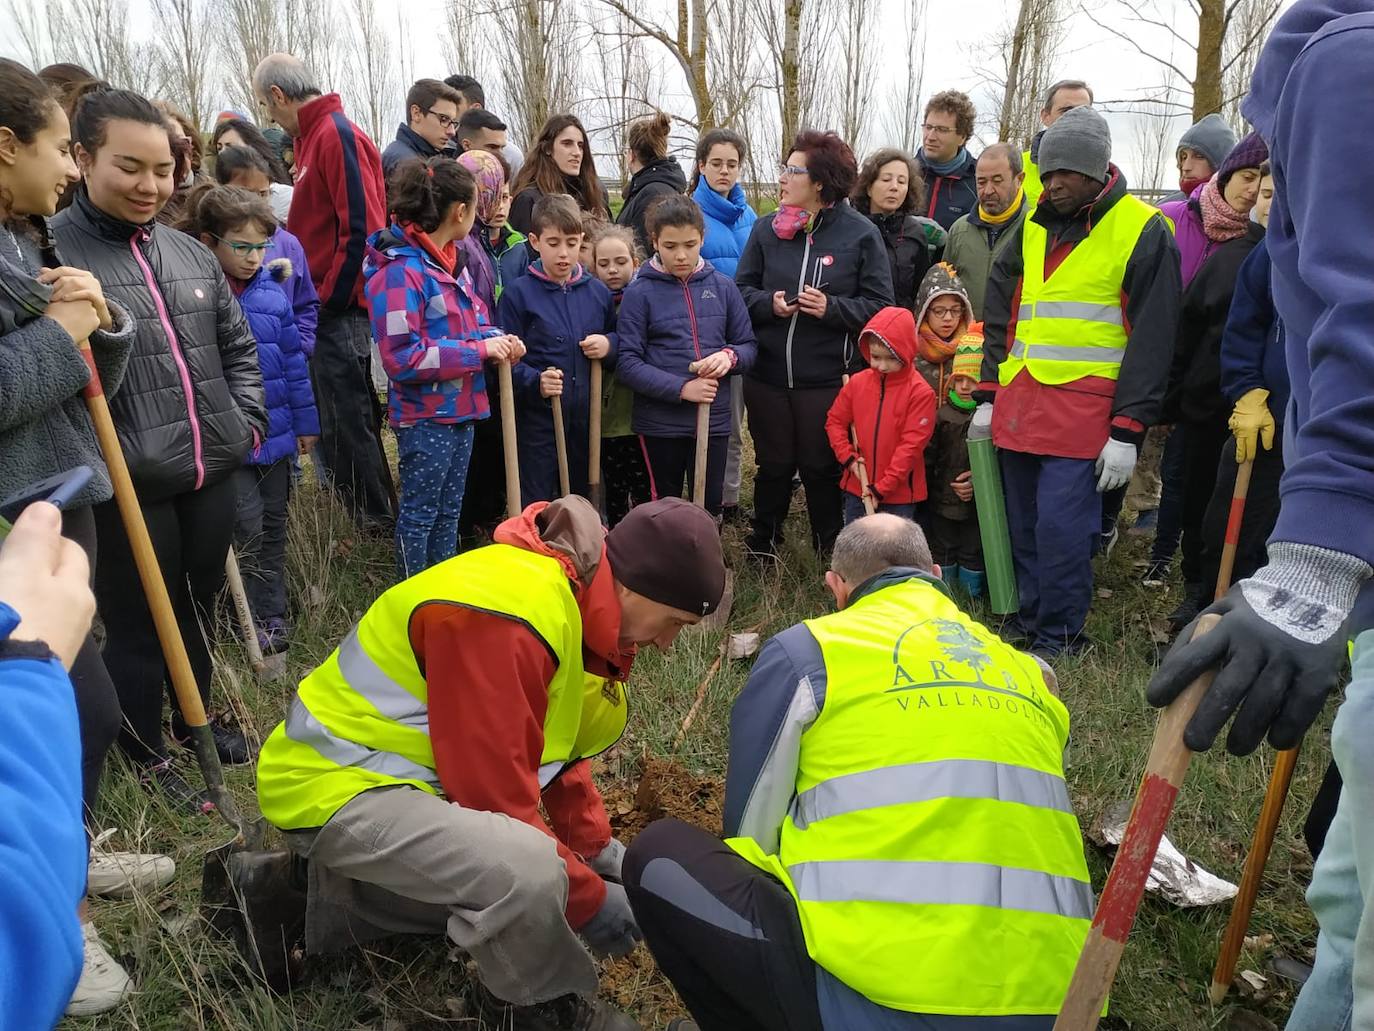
(57, 490)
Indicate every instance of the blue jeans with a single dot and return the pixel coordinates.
(1340, 993)
(1054, 515)
(854, 509)
(434, 468)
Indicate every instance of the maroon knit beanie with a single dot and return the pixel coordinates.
(669, 552)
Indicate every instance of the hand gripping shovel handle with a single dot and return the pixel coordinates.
(159, 601)
(508, 442)
(1116, 909)
(1275, 795)
(560, 443)
(594, 435)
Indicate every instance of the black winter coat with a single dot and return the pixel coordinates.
(662, 178)
(907, 253)
(191, 404)
(1194, 392)
(846, 259)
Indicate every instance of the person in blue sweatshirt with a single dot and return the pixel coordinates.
(683, 328)
(1282, 637)
(566, 318)
(46, 607)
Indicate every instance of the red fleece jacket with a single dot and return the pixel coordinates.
(339, 199)
(893, 414)
(488, 679)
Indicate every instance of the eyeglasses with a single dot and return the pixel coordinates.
(939, 130)
(444, 120)
(717, 165)
(946, 313)
(790, 170)
(244, 250)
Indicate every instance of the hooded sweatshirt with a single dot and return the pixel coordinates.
(1311, 84)
(488, 679)
(940, 281)
(892, 415)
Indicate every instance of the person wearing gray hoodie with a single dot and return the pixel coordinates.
(1201, 150)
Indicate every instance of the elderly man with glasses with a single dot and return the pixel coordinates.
(432, 112)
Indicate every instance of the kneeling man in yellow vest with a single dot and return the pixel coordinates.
(412, 766)
(901, 853)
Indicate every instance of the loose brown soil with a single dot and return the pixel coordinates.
(664, 789)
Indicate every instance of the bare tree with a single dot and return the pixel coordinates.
(374, 92)
(1222, 36)
(686, 42)
(801, 74)
(904, 114)
(623, 87)
(36, 29)
(405, 59)
(185, 56)
(1250, 23)
(1024, 53)
(463, 37)
(734, 68)
(538, 72)
(858, 19)
(1152, 146)
(253, 27)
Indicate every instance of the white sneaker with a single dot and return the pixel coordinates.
(104, 984)
(122, 874)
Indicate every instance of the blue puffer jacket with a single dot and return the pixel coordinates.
(728, 221)
(291, 409)
(664, 325)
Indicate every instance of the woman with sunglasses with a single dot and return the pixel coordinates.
(190, 409)
(812, 274)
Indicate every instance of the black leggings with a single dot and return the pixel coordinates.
(672, 467)
(97, 703)
(191, 534)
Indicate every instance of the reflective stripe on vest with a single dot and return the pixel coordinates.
(1071, 325)
(946, 884)
(924, 782)
(361, 719)
(931, 816)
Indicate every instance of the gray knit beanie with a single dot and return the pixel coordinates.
(1078, 142)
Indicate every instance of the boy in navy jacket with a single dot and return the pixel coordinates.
(566, 318)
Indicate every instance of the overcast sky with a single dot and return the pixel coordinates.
(955, 29)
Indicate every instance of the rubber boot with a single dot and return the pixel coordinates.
(975, 581)
(950, 575)
(269, 892)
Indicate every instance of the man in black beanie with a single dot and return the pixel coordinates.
(415, 760)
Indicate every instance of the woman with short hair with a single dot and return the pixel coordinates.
(890, 192)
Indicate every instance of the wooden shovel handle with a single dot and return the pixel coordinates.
(594, 437)
(560, 443)
(703, 440)
(508, 441)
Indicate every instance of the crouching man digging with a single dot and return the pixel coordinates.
(412, 765)
(901, 851)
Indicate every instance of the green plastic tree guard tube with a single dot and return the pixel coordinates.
(992, 526)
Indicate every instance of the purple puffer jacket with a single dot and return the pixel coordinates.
(664, 325)
(300, 290)
(1193, 246)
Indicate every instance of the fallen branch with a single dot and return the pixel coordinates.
(705, 683)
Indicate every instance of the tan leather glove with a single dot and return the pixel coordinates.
(1252, 425)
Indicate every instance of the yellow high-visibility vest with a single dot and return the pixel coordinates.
(1033, 187)
(1072, 325)
(931, 845)
(361, 719)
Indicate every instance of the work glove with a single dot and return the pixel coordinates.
(1114, 465)
(980, 427)
(1252, 424)
(612, 931)
(1279, 645)
(607, 862)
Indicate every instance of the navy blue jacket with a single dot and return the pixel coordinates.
(728, 222)
(664, 326)
(552, 319)
(291, 409)
(1252, 346)
(950, 197)
(1311, 84)
(407, 144)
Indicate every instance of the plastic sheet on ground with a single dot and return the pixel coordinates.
(1173, 875)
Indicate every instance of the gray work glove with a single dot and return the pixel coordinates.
(1115, 464)
(607, 862)
(612, 931)
(980, 426)
(1279, 644)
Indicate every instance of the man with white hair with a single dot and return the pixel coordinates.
(340, 197)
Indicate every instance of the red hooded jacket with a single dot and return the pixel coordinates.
(893, 414)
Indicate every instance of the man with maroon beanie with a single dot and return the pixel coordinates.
(339, 198)
(415, 760)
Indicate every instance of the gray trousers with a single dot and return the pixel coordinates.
(732, 453)
(401, 861)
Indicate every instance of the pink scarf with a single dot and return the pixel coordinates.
(1220, 221)
(790, 218)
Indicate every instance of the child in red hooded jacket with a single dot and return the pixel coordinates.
(891, 409)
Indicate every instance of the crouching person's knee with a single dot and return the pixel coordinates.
(534, 873)
(661, 838)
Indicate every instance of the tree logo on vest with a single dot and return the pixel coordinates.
(941, 664)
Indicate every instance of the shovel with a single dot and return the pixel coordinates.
(859, 470)
(594, 443)
(249, 834)
(721, 616)
(508, 443)
(560, 443)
